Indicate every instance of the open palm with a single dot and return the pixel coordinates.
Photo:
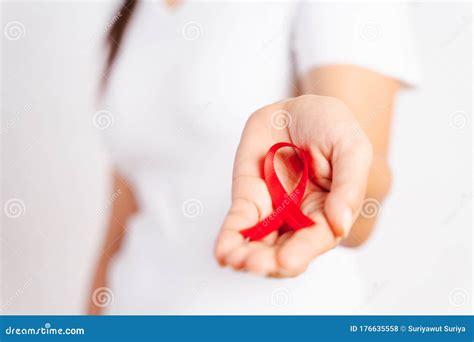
(340, 160)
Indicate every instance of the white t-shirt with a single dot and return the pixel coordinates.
(184, 84)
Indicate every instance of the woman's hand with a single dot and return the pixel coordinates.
(341, 159)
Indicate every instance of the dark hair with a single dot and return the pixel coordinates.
(115, 36)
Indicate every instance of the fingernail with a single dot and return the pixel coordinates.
(347, 221)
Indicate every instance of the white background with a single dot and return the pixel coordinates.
(419, 261)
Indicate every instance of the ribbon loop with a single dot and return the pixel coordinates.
(286, 207)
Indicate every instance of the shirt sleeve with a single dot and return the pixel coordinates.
(375, 36)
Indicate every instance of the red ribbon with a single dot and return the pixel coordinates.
(287, 214)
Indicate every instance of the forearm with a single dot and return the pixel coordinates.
(123, 206)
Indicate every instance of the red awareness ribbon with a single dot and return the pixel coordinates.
(287, 214)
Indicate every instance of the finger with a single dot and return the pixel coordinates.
(304, 245)
(262, 260)
(351, 161)
(250, 204)
(282, 238)
(237, 258)
(242, 214)
(320, 170)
